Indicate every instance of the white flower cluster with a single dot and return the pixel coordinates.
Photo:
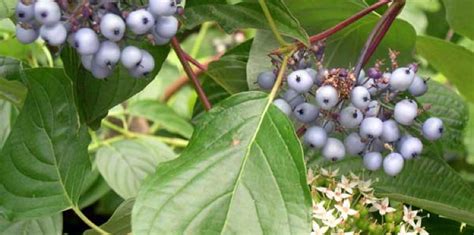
(347, 205)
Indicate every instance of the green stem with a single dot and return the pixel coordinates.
(118, 129)
(280, 76)
(88, 221)
(94, 147)
(271, 23)
(200, 39)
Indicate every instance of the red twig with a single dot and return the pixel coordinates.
(189, 71)
(339, 26)
(377, 34)
(195, 62)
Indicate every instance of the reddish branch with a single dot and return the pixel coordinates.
(378, 33)
(339, 26)
(189, 71)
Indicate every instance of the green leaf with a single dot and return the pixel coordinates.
(258, 62)
(453, 61)
(8, 115)
(437, 225)
(163, 115)
(45, 158)
(230, 70)
(459, 15)
(124, 164)
(245, 15)
(120, 222)
(9, 68)
(428, 183)
(94, 188)
(7, 8)
(215, 93)
(12, 91)
(46, 225)
(343, 48)
(95, 97)
(242, 173)
(454, 112)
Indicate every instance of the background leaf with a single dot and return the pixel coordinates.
(458, 12)
(244, 15)
(95, 97)
(243, 166)
(453, 61)
(120, 222)
(47, 225)
(12, 91)
(163, 115)
(126, 163)
(45, 159)
(8, 114)
(7, 8)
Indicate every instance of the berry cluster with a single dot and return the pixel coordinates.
(96, 28)
(365, 116)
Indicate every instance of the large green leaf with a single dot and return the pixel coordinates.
(242, 173)
(163, 115)
(94, 188)
(46, 225)
(124, 164)
(120, 222)
(45, 159)
(453, 61)
(244, 15)
(9, 68)
(428, 183)
(454, 112)
(459, 15)
(344, 47)
(95, 97)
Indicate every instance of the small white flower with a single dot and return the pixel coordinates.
(310, 176)
(418, 229)
(365, 186)
(337, 194)
(330, 220)
(341, 232)
(329, 173)
(382, 207)
(347, 184)
(318, 210)
(354, 177)
(345, 209)
(368, 199)
(409, 215)
(403, 231)
(319, 230)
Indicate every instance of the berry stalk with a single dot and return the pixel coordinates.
(189, 71)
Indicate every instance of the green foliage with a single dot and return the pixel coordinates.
(458, 12)
(119, 222)
(253, 156)
(95, 97)
(7, 8)
(124, 164)
(52, 225)
(244, 15)
(44, 160)
(453, 61)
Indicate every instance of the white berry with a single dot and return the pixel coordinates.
(410, 148)
(405, 112)
(354, 144)
(163, 7)
(140, 21)
(266, 80)
(25, 13)
(54, 35)
(112, 27)
(433, 128)
(350, 117)
(360, 97)
(334, 149)
(327, 97)
(391, 132)
(145, 67)
(86, 41)
(373, 161)
(316, 137)
(131, 57)
(306, 112)
(26, 35)
(393, 164)
(418, 87)
(401, 78)
(47, 12)
(108, 54)
(300, 81)
(371, 127)
(166, 26)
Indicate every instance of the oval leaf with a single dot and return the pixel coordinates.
(45, 159)
(453, 61)
(242, 173)
(47, 225)
(124, 164)
(459, 15)
(120, 222)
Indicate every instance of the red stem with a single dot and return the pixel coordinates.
(339, 26)
(189, 71)
(195, 62)
(377, 34)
